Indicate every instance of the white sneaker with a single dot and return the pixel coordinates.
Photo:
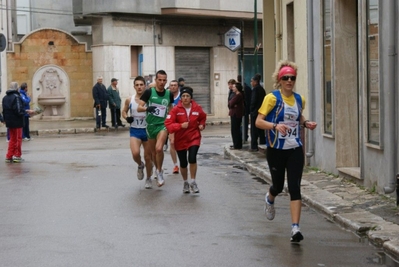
(194, 187)
(140, 171)
(186, 188)
(296, 235)
(148, 183)
(165, 147)
(269, 209)
(160, 179)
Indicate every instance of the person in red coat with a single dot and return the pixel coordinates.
(186, 120)
(236, 112)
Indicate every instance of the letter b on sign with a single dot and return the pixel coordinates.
(3, 42)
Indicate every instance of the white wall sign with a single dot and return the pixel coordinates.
(232, 39)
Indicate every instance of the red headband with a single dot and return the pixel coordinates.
(286, 70)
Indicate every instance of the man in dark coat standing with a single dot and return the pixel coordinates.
(100, 96)
(13, 112)
(258, 94)
(247, 110)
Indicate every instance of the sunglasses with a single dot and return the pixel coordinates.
(286, 78)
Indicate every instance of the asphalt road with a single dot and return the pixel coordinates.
(76, 201)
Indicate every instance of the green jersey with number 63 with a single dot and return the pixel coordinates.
(161, 103)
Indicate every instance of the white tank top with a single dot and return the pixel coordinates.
(138, 117)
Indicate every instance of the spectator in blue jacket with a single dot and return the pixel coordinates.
(26, 102)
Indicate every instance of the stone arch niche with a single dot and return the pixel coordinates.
(51, 92)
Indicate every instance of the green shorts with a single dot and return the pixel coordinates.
(153, 130)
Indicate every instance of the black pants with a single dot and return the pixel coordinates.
(101, 119)
(256, 133)
(192, 156)
(291, 160)
(116, 116)
(235, 124)
(246, 128)
(25, 129)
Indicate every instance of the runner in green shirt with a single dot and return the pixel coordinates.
(156, 101)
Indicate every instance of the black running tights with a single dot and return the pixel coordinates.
(291, 160)
(192, 156)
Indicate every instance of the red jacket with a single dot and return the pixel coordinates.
(191, 136)
(236, 106)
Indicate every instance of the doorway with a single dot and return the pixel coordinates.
(345, 85)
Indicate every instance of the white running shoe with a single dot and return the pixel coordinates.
(148, 183)
(296, 235)
(194, 187)
(186, 188)
(140, 171)
(160, 179)
(269, 208)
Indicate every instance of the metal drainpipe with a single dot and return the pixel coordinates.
(390, 78)
(277, 8)
(9, 24)
(155, 46)
(310, 149)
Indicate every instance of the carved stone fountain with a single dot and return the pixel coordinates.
(51, 97)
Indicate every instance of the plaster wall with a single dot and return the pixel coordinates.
(225, 65)
(107, 30)
(112, 62)
(3, 56)
(155, 7)
(55, 14)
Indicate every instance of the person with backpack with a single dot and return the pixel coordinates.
(13, 113)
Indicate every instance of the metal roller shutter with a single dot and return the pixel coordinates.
(193, 64)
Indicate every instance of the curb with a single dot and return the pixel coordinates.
(381, 233)
(92, 129)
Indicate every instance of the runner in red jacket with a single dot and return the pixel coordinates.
(186, 120)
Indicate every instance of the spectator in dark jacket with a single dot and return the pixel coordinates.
(258, 94)
(236, 106)
(115, 103)
(247, 103)
(230, 83)
(100, 96)
(181, 82)
(13, 112)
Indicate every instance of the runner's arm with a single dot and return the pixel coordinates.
(126, 109)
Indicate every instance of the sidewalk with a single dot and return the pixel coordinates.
(75, 126)
(360, 211)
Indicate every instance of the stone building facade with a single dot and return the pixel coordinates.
(131, 38)
(347, 74)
